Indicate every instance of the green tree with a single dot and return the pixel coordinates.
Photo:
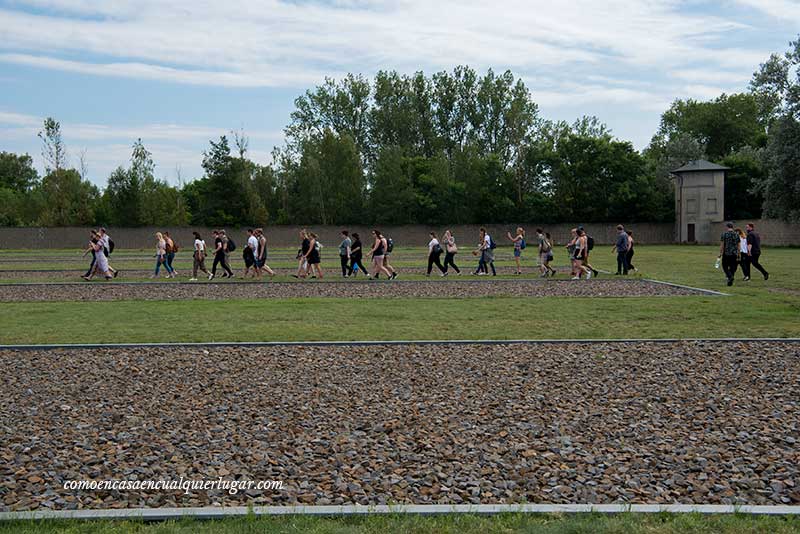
(17, 172)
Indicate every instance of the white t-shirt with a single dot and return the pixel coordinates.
(105, 240)
(200, 245)
(432, 244)
(743, 245)
(487, 241)
(252, 242)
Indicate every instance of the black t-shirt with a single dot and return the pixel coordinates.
(356, 253)
(754, 240)
(305, 245)
(218, 243)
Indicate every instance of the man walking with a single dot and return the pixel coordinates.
(728, 251)
(754, 249)
(621, 248)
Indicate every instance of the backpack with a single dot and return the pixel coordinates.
(110, 245)
(389, 244)
(589, 242)
(231, 245)
(492, 244)
(522, 244)
(175, 246)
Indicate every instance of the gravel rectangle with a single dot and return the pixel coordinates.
(483, 287)
(683, 422)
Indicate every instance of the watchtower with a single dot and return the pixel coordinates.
(699, 201)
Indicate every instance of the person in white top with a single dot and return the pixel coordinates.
(106, 240)
(434, 255)
(199, 257)
(250, 253)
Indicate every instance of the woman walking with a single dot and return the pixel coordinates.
(171, 249)
(261, 259)
(579, 256)
(378, 251)
(450, 251)
(219, 257)
(435, 254)
(198, 257)
(629, 255)
(519, 244)
(345, 249)
(744, 255)
(313, 256)
(302, 255)
(356, 255)
(161, 256)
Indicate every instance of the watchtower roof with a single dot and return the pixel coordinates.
(699, 165)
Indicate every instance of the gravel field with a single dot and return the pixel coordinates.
(686, 422)
(450, 288)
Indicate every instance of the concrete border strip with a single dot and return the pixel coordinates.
(163, 514)
(671, 284)
(221, 344)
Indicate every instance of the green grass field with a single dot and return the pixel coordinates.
(754, 309)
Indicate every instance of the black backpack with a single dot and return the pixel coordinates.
(231, 245)
(590, 242)
(492, 244)
(389, 244)
(110, 245)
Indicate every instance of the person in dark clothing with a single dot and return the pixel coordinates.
(621, 248)
(629, 256)
(729, 252)
(93, 237)
(754, 248)
(219, 256)
(356, 255)
(435, 251)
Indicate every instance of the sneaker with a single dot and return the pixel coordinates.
(575, 278)
(444, 274)
(589, 275)
(594, 271)
(766, 277)
(746, 279)
(730, 281)
(394, 275)
(116, 273)
(193, 279)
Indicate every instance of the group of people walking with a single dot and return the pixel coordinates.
(101, 246)
(740, 248)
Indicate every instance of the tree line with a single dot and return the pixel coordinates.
(454, 147)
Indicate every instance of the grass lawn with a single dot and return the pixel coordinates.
(467, 524)
(754, 309)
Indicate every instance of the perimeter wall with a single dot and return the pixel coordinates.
(773, 233)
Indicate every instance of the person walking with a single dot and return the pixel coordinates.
(545, 253)
(161, 256)
(434, 255)
(93, 237)
(744, 255)
(356, 255)
(570, 246)
(450, 251)
(729, 252)
(621, 246)
(108, 248)
(261, 255)
(629, 256)
(579, 258)
(219, 257)
(228, 246)
(172, 249)
(589, 241)
(486, 249)
(198, 257)
(302, 255)
(378, 252)
(519, 243)
(754, 249)
(313, 256)
(345, 248)
(101, 261)
(249, 254)
(389, 242)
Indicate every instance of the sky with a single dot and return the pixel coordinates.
(179, 73)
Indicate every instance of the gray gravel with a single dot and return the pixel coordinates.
(682, 422)
(450, 288)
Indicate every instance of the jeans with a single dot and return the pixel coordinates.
(347, 270)
(162, 259)
(448, 260)
(729, 264)
(754, 263)
(622, 262)
(357, 261)
(433, 259)
(170, 257)
(219, 257)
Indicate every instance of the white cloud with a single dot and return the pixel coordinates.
(785, 10)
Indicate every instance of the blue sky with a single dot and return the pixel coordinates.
(182, 72)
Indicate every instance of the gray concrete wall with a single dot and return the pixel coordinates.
(284, 236)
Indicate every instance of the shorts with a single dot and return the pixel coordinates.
(377, 258)
(260, 263)
(517, 253)
(544, 257)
